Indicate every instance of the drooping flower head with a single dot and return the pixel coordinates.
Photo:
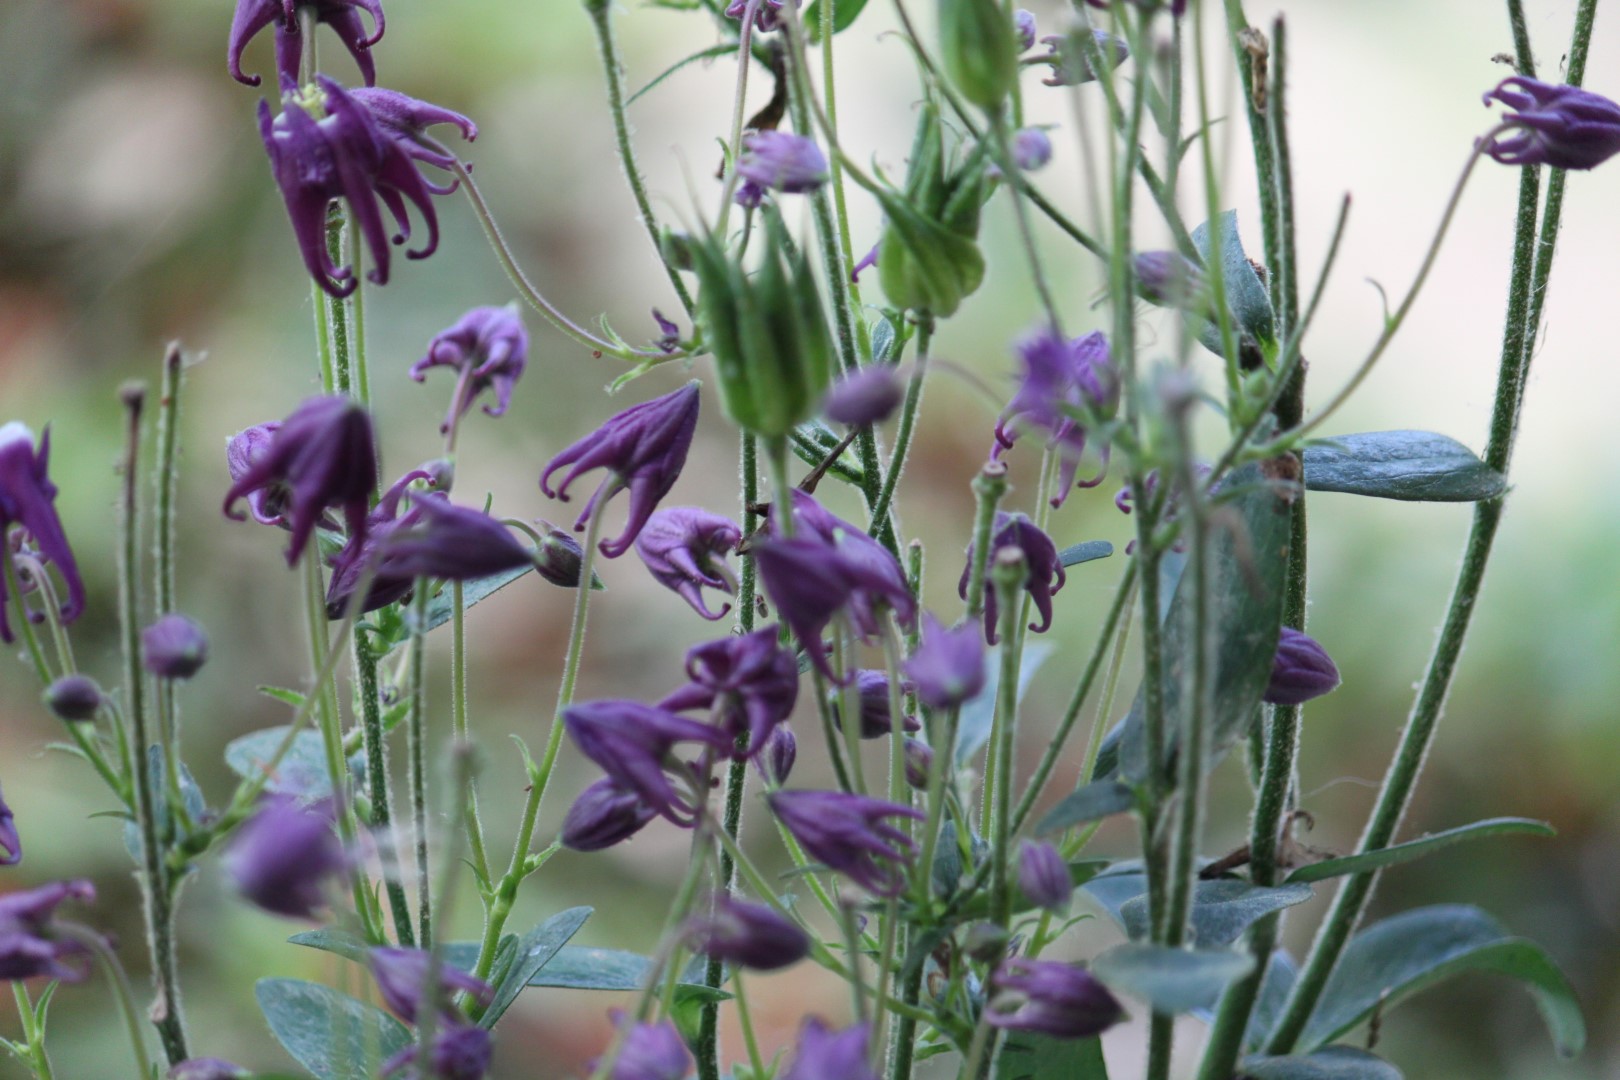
(361, 147)
(825, 1054)
(750, 935)
(767, 13)
(10, 841)
(243, 451)
(1031, 148)
(1050, 997)
(282, 857)
(401, 976)
(174, 647)
(1062, 382)
(748, 684)
(322, 457)
(488, 348)
(849, 835)
(781, 752)
(1068, 58)
(876, 718)
(684, 548)
(867, 396)
(948, 667)
(650, 1051)
(1301, 671)
(1045, 570)
(27, 500)
(604, 814)
(30, 944)
(643, 450)
(634, 744)
(460, 1052)
(778, 161)
(1562, 126)
(343, 16)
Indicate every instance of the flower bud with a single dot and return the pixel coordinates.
(919, 762)
(1031, 148)
(825, 1054)
(1024, 24)
(74, 698)
(174, 647)
(751, 935)
(1169, 279)
(872, 689)
(928, 257)
(1301, 671)
(985, 942)
(777, 759)
(979, 47)
(864, 397)
(1043, 877)
(207, 1069)
(1050, 997)
(560, 558)
(282, 856)
(605, 814)
(1068, 56)
(1562, 126)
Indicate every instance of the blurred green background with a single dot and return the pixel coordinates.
(136, 207)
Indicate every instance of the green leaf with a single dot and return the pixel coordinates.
(534, 951)
(302, 771)
(844, 14)
(1085, 552)
(331, 1034)
(723, 49)
(1423, 845)
(577, 967)
(349, 946)
(190, 795)
(1027, 1055)
(1329, 1063)
(1168, 979)
(978, 905)
(885, 342)
(1222, 910)
(439, 608)
(1098, 799)
(1249, 300)
(1415, 950)
(1414, 466)
(979, 711)
(286, 697)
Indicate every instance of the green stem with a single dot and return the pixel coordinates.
(377, 785)
(1008, 575)
(416, 740)
(458, 701)
(33, 1032)
(1026, 236)
(908, 418)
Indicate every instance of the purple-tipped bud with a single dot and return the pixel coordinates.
(684, 548)
(669, 334)
(401, 976)
(634, 744)
(748, 684)
(1562, 126)
(848, 834)
(27, 500)
(872, 687)
(174, 647)
(650, 1052)
(208, 1069)
(776, 761)
(74, 698)
(322, 457)
(488, 348)
(282, 857)
(29, 943)
(1045, 571)
(868, 396)
(777, 161)
(1302, 670)
(747, 934)
(1063, 383)
(1052, 998)
(560, 559)
(825, 1054)
(605, 814)
(948, 667)
(1031, 148)
(343, 16)
(919, 762)
(643, 449)
(1067, 57)
(243, 452)
(767, 13)
(1024, 24)
(1043, 876)
(460, 1052)
(1168, 278)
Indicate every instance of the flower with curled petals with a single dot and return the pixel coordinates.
(748, 683)
(27, 500)
(684, 548)
(459, 1052)
(1562, 126)
(634, 744)
(488, 348)
(1045, 570)
(1063, 381)
(649, 1051)
(948, 667)
(343, 16)
(30, 944)
(282, 857)
(849, 835)
(1052, 998)
(643, 450)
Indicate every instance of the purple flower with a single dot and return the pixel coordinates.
(604, 814)
(488, 348)
(10, 841)
(777, 161)
(27, 499)
(948, 667)
(1168, 278)
(401, 976)
(847, 833)
(1562, 126)
(282, 856)
(650, 1051)
(29, 945)
(460, 1052)
(825, 1054)
(1046, 573)
(207, 1069)
(684, 548)
(363, 150)
(869, 259)
(74, 698)
(1302, 670)
(767, 15)
(747, 934)
(343, 16)
(1043, 876)
(1024, 23)
(872, 687)
(1031, 148)
(749, 683)
(1051, 997)
(868, 396)
(320, 458)
(669, 334)
(1177, 7)
(643, 449)
(1068, 58)
(174, 647)
(633, 743)
(1063, 381)
(243, 451)
(775, 762)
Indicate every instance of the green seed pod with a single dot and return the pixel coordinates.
(980, 48)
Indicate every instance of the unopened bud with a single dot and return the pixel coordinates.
(74, 698)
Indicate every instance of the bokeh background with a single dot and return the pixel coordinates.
(136, 207)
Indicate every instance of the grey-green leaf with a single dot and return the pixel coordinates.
(1417, 949)
(331, 1034)
(1087, 551)
(1423, 845)
(440, 608)
(1222, 910)
(1415, 466)
(1091, 802)
(302, 771)
(1328, 1063)
(973, 723)
(536, 949)
(1027, 1055)
(1171, 980)
(577, 967)
(1250, 302)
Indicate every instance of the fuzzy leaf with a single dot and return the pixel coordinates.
(1170, 980)
(1249, 300)
(1085, 552)
(331, 1034)
(1099, 799)
(1222, 910)
(1416, 849)
(536, 949)
(302, 771)
(577, 967)
(1028, 1055)
(1328, 1063)
(1414, 466)
(844, 14)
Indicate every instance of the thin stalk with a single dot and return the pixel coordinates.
(122, 991)
(166, 480)
(33, 1032)
(908, 417)
(1260, 137)
(359, 373)
(416, 740)
(1009, 575)
(20, 619)
(1026, 236)
(377, 785)
(458, 723)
